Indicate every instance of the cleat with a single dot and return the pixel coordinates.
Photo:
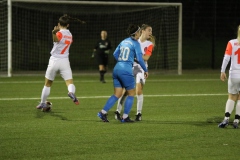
(235, 125)
(117, 116)
(103, 81)
(73, 97)
(44, 107)
(128, 120)
(138, 117)
(223, 124)
(41, 105)
(102, 116)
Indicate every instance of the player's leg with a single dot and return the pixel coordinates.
(71, 91)
(237, 111)
(105, 65)
(101, 67)
(232, 97)
(121, 100)
(45, 93)
(101, 72)
(66, 73)
(110, 103)
(129, 85)
(140, 81)
(128, 106)
(49, 78)
(139, 92)
(237, 115)
(112, 100)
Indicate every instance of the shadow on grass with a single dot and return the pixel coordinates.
(40, 114)
(209, 121)
(215, 120)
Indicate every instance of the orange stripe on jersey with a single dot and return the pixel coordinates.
(229, 49)
(59, 35)
(149, 50)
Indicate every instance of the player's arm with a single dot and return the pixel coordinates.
(146, 57)
(116, 52)
(140, 59)
(225, 61)
(148, 53)
(56, 37)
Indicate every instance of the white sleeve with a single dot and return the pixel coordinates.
(225, 62)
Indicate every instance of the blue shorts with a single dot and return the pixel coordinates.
(123, 79)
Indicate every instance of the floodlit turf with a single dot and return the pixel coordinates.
(180, 118)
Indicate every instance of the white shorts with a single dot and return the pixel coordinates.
(139, 74)
(62, 65)
(233, 85)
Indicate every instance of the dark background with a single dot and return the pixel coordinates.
(207, 26)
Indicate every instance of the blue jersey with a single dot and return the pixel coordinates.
(125, 53)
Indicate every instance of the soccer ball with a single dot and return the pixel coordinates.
(48, 107)
(49, 104)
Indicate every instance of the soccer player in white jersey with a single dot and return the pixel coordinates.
(59, 61)
(232, 52)
(147, 43)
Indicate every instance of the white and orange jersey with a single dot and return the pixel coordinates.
(147, 48)
(233, 52)
(61, 49)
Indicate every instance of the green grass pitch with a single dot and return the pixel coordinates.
(180, 118)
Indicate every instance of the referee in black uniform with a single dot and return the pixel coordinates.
(101, 50)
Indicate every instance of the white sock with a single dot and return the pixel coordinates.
(238, 108)
(103, 111)
(120, 103)
(125, 116)
(236, 120)
(229, 107)
(45, 94)
(139, 103)
(71, 88)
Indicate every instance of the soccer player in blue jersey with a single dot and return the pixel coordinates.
(122, 74)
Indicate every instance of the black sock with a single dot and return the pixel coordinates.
(227, 114)
(101, 75)
(237, 116)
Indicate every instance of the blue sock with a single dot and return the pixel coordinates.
(111, 101)
(128, 104)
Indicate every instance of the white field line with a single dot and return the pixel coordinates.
(94, 81)
(95, 97)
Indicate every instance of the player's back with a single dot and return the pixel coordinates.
(61, 48)
(126, 51)
(233, 51)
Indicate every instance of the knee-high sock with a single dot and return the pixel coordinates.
(71, 88)
(128, 104)
(139, 103)
(45, 94)
(229, 108)
(238, 108)
(120, 103)
(102, 72)
(110, 102)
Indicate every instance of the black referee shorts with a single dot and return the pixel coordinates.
(102, 59)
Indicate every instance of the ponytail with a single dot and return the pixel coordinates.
(65, 20)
